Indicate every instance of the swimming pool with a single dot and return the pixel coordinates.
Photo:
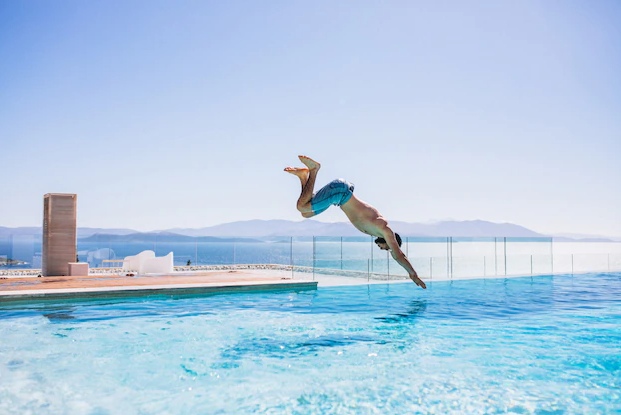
(546, 345)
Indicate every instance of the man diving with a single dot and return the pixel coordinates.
(363, 216)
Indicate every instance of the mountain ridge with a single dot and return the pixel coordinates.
(260, 228)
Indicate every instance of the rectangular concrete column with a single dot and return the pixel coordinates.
(59, 233)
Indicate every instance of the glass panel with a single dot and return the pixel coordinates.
(268, 252)
(302, 256)
(586, 256)
(214, 253)
(327, 253)
(528, 256)
(614, 262)
(20, 252)
(470, 257)
(356, 253)
(433, 258)
(428, 256)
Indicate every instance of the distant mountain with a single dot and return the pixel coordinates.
(273, 228)
(159, 237)
(82, 232)
(85, 232)
(24, 230)
(284, 228)
(467, 228)
(266, 228)
(579, 237)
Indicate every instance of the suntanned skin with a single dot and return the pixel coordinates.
(363, 216)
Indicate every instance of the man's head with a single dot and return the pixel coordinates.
(381, 242)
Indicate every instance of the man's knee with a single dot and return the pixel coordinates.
(304, 207)
(306, 212)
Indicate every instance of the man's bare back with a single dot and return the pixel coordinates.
(362, 215)
(365, 217)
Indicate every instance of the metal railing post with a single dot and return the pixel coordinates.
(313, 258)
(341, 253)
(388, 265)
(291, 255)
(495, 257)
(551, 255)
(430, 267)
(448, 264)
(371, 253)
(451, 257)
(407, 246)
(505, 255)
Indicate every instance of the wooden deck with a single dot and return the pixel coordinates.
(29, 288)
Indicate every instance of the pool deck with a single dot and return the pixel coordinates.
(177, 283)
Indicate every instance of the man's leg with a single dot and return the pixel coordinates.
(304, 202)
(307, 176)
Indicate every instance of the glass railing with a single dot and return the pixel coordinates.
(433, 258)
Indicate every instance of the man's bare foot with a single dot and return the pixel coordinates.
(301, 172)
(309, 162)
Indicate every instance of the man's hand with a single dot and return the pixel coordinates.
(418, 281)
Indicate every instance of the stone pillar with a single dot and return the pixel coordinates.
(59, 233)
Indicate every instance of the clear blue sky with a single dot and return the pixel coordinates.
(163, 114)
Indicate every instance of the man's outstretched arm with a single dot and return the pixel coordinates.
(402, 260)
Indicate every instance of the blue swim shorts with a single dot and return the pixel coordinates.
(337, 193)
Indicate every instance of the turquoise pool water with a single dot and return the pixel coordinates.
(543, 345)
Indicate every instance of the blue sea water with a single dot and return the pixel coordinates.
(542, 345)
(357, 254)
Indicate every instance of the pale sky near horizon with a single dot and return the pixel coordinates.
(163, 114)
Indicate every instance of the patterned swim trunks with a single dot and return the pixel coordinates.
(337, 193)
